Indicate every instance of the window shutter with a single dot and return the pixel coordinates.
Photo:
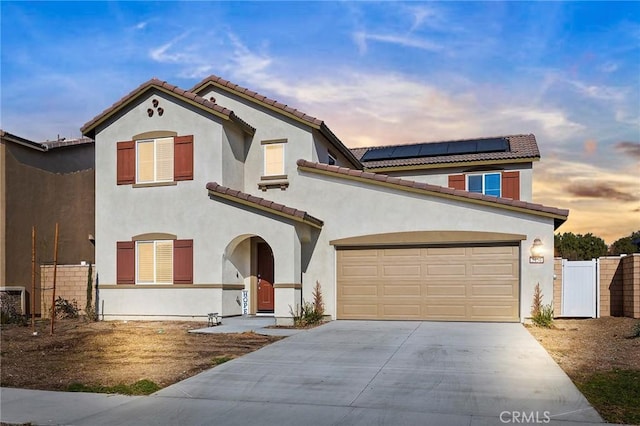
(457, 182)
(511, 185)
(183, 158)
(126, 162)
(126, 262)
(183, 262)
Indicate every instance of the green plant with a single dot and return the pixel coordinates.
(141, 387)
(541, 315)
(66, 309)
(309, 314)
(89, 308)
(635, 332)
(221, 359)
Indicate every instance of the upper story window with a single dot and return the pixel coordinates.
(484, 183)
(504, 184)
(274, 157)
(155, 160)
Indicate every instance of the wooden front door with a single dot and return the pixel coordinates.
(265, 278)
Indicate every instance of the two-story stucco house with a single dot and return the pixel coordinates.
(204, 193)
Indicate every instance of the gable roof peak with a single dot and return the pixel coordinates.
(89, 128)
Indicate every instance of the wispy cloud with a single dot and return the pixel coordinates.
(362, 37)
(552, 121)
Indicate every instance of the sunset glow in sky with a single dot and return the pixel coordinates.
(376, 73)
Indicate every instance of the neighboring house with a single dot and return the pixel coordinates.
(42, 183)
(206, 193)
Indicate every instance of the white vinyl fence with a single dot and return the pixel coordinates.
(580, 288)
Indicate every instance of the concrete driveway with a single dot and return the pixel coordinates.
(370, 372)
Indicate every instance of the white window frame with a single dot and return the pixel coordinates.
(484, 184)
(155, 161)
(265, 147)
(155, 266)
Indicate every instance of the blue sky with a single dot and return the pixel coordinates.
(376, 73)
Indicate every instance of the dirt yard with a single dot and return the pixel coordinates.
(585, 346)
(114, 352)
(602, 358)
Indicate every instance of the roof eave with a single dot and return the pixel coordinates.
(24, 142)
(445, 165)
(558, 217)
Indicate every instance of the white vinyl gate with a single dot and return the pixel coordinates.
(579, 288)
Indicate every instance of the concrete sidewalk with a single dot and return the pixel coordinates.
(344, 373)
(242, 324)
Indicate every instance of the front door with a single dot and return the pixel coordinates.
(265, 278)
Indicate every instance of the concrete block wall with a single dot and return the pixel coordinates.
(71, 284)
(631, 285)
(611, 278)
(557, 286)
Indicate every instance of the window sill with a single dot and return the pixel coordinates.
(271, 182)
(152, 184)
(283, 185)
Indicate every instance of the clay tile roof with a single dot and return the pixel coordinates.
(520, 147)
(285, 109)
(225, 83)
(263, 204)
(559, 214)
(89, 127)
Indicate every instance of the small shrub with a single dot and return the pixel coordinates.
(635, 332)
(309, 314)
(541, 315)
(10, 312)
(66, 309)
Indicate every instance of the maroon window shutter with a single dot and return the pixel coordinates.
(457, 182)
(511, 185)
(126, 162)
(183, 262)
(183, 157)
(126, 262)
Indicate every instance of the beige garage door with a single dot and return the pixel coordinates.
(470, 283)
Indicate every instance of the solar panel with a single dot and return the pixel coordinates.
(378, 154)
(493, 145)
(406, 151)
(434, 149)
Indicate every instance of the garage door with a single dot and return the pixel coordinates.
(459, 283)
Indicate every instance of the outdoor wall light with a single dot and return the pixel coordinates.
(537, 252)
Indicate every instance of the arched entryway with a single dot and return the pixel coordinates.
(249, 260)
